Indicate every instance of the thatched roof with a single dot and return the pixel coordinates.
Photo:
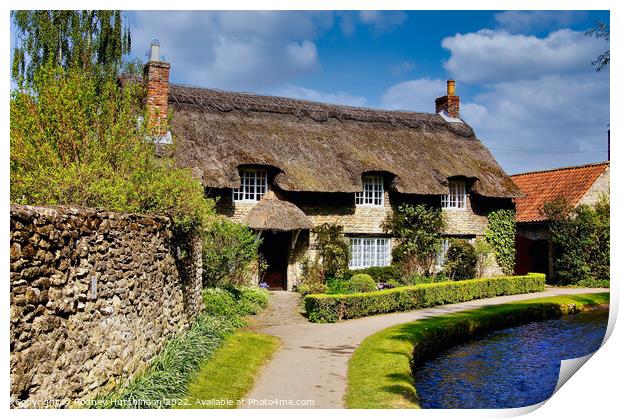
(326, 148)
(272, 214)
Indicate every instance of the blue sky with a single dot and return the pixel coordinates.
(524, 78)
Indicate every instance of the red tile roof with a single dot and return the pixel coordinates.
(544, 186)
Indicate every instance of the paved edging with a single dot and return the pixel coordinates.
(313, 359)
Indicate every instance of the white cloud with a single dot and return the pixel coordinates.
(552, 121)
(233, 50)
(525, 21)
(415, 95)
(340, 98)
(382, 21)
(489, 56)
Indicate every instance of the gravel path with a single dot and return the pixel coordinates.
(313, 359)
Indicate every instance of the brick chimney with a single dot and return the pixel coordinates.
(156, 76)
(449, 103)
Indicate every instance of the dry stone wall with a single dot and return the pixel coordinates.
(94, 296)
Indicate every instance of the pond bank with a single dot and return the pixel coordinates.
(313, 360)
(380, 371)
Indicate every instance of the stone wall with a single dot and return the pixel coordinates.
(94, 296)
(599, 187)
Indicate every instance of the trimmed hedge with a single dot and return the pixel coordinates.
(324, 308)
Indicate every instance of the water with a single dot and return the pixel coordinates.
(513, 367)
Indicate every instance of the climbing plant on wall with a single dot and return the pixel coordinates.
(333, 248)
(500, 234)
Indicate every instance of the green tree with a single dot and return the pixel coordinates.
(418, 228)
(76, 140)
(81, 38)
(600, 31)
(579, 239)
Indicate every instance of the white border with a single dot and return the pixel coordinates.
(590, 394)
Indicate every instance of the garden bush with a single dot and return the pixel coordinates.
(229, 254)
(594, 283)
(337, 286)
(234, 301)
(418, 229)
(378, 273)
(332, 247)
(461, 260)
(312, 279)
(324, 308)
(579, 239)
(362, 283)
(79, 140)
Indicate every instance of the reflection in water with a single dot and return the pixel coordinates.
(509, 368)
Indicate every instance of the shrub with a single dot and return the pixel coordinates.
(324, 308)
(362, 283)
(418, 228)
(336, 286)
(460, 260)
(312, 279)
(80, 140)
(378, 273)
(579, 240)
(229, 254)
(333, 248)
(594, 283)
(501, 234)
(234, 301)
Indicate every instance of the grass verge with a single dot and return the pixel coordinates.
(229, 375)
(380, 375)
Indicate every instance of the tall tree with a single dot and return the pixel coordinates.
(600, 31)
(82, 38)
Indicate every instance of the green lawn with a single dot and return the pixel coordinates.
(380, 374)
(229, 375)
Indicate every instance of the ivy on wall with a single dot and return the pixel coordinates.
(500, 234)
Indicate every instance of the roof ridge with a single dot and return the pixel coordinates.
(558, 169)
(307, 101)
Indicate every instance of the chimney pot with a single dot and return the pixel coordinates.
(451, 87)
(154, 50)
(449, 104)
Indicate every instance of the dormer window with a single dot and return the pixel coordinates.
(253, 185)
(456, 195)
(372, 195)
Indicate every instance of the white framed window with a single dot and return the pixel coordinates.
(369, 251)
(372, 194)
(253, 185)
(456, 198)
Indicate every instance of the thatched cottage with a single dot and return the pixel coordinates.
(284, 165)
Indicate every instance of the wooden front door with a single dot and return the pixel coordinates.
(275, 250)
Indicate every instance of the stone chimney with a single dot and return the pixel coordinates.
(449, 103)
(156, 77)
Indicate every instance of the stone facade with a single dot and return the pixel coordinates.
(94, 295)
(340, 209)
(599, 187)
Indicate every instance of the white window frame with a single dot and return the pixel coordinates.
(372, 194)
(456, 199)
(366, 252)
(253, 185)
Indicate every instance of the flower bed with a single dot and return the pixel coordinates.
(324, 308)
